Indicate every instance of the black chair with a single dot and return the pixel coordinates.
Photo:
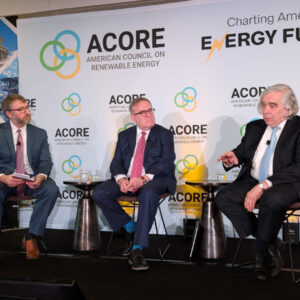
(132, 202)
(292, 211)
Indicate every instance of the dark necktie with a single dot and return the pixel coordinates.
(265, 162)
(20, 160)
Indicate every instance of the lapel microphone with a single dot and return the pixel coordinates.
(268, 142)
(18, 143)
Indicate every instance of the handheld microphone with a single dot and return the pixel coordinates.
(18, 143)
(268, 142)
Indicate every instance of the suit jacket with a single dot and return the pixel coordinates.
(37, 150)
(159, 154)
(286, 163)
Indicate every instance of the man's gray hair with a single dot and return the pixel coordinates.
(136, 101)
(289, 99)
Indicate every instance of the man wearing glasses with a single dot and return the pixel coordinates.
(143, 166)
(24, 150)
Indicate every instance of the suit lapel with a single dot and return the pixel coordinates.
(132, 141)
(29, 142)
(150, 139)
(9, 138)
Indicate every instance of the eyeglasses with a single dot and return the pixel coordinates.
(21, 109)
(143, 113)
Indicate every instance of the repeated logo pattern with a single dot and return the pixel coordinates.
(127, 125)
(61, 54)
(188, 163)
(72, 166)
(243, 127)
(186, 101)
(71, 104)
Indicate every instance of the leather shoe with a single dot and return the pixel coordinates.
(31, 247)
(137, 261)
(275, 251)
(261, 267)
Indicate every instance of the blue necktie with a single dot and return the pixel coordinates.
(265, 162)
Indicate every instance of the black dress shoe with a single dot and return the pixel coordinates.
(275, 251)
(128, 246)
(261, 267)
(137, 261)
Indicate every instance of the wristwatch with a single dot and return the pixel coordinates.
(144, 180)
(261, 185)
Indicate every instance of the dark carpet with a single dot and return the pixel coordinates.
(102, 277)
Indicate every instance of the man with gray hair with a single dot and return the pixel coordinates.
(269, 157)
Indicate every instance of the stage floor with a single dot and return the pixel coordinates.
(177, 277)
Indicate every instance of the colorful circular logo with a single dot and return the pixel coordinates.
(186, 101)
(71, 104)
(62, 54)
(188, 163)
(127, 125)
(243, 127)
(72, 166)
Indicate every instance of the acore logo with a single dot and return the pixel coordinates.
(186, 101)
(188, 163)
(62, 54)
(71, 104)
(71, 166)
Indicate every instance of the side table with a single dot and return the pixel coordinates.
(209, 236)
(86, 232)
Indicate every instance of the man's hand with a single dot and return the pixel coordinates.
(35, 184)
(11, 181)
(251, 198)
(228, 158)
(135, 184)
(123, 183)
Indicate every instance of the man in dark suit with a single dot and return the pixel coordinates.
(156, 176)
(275, 185)
(36, 161)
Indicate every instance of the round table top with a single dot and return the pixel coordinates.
(209, 182)
(79, 183)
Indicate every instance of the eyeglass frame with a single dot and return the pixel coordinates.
(145, 112)
(21, 109)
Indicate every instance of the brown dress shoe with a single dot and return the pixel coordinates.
(31, 247)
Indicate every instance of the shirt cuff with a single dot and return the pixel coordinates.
(269, 183)
(151, 176)
(119, 176)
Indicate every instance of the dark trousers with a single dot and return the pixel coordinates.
(45, 196)
(272, 206)
(105, 196)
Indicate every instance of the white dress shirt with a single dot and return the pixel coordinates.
(260, 151)
(138, 136)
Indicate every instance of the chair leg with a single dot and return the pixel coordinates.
(163, 252)
(233, 264)
(43, 244)
(291, 253)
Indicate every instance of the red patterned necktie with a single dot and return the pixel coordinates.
(138, 159)
(20, 161)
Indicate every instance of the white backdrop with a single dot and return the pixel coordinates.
(202, 66)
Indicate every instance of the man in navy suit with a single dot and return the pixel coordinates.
(37, 162)
(277, 190)
(157, 177)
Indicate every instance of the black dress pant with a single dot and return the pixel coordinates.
(272, 207)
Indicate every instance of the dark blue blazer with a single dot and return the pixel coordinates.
(37, 150)
(286, 163)
(158, 158)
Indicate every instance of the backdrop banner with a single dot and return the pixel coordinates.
(202, 66)
(9, 66)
